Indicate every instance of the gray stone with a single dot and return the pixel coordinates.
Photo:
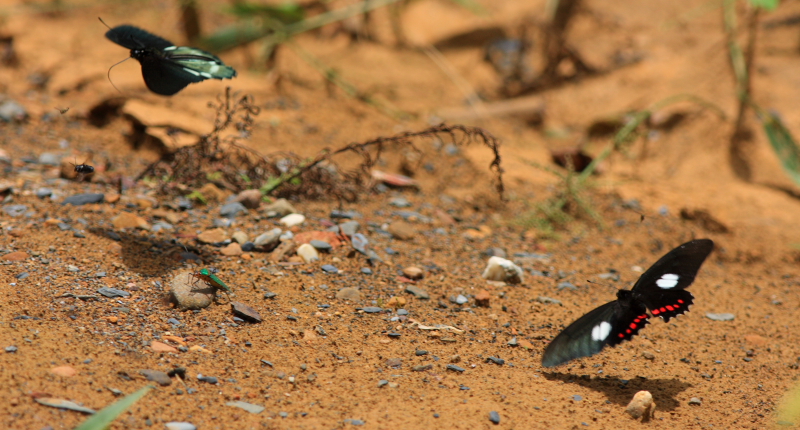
(279, 208)
(44, 192)
(83, 199)
(232, 210)
(157, 376)
(11, 111)
(417, 292)
(349, 228)
(494, 417)
(15, 210)
(359, 242)
(268, 239)
(327, 268)
(400, 202)
(548, 301)
(223, 222)
(720, 317)
(321, 245)
(113, 293)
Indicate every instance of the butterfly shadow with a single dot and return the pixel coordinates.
(621, 392)
(150, 256)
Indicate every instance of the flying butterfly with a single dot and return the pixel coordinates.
(167, 68)
(661, 290)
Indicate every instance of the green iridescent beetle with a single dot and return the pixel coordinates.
(209, 277)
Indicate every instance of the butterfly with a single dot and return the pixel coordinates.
(167, 68)
(661, 290)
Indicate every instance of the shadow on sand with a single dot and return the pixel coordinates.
(621, 392)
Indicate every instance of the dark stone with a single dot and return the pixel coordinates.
(83, 199)
(113, 293)
(245, 312)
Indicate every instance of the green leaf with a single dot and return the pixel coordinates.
(105, 417)
(765, 4)
(287, 13)
(197, 195)
(782, 142)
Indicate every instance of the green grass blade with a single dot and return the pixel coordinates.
(782, 142)
(105, 417)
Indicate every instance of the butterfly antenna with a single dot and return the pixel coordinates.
(104, 23)
(109, 73)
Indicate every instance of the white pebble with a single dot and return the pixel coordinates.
(292, 220)
(500, 269)
(308, 253)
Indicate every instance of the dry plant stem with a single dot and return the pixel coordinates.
(363, 149)
(190, 17)
(742, 64)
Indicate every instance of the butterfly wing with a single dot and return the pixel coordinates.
(135, 38)
(609, 324)
(662, 288)
(164, 77)
(199, 62)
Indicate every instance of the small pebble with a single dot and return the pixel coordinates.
(455, 368)
(494, 417)
(231, 210)
(180, 426)
(372, 309)
(321, 245)
(11, 348)
(327, 268)
(157, 376)
(500, 269)
(308, 253)
(208, 379)
(245, 312)
(720, 317)
(292, 220)
(359, 242)
(417, 292)
(83, 199)
(695, 401)
(113, 293)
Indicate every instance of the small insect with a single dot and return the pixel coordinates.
(83, 169)
(63, 110)
(167, 68)
(209, 277)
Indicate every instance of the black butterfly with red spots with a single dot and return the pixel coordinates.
(661, 290)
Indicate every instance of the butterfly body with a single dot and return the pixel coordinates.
(167, 68)
(661, 290)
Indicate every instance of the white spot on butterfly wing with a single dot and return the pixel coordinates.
(601, 331)
(213, 69)
(191, 71)
(668, 280)
(170, 48)
(206, 75)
